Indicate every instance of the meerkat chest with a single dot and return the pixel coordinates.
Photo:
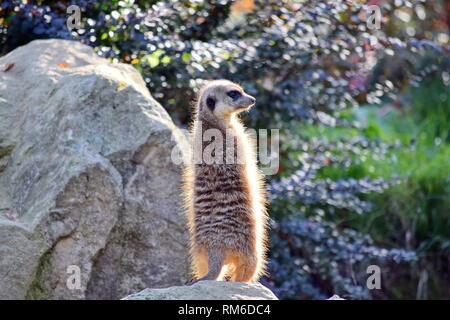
(221, 193)
(220, 147)
(220, 177)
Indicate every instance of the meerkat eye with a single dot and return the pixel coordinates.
(211, 103)
(234, 94)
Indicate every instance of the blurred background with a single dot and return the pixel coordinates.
(363, 113)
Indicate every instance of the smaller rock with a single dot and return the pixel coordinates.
(207, 290)
(335, 297)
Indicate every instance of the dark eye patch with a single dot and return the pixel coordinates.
(234, 94)
(211, 103)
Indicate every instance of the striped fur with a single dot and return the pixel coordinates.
(225, 203)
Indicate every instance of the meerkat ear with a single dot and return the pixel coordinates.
(211, 103)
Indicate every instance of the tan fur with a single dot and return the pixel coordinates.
(225, 203)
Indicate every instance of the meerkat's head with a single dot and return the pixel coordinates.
(220, 99)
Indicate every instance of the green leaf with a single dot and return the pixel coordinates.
(153, 58)
(165, 59)
(226, 56)
(186, 57)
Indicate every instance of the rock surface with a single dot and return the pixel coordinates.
(208, 290)
(335, 297)
(86, 178)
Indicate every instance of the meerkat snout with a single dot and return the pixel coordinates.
(248, 101)
(240, 100)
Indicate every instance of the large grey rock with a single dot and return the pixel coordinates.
(86, 178)
(208, 290)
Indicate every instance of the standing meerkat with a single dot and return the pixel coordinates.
(225, 200)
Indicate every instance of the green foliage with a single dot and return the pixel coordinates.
(415, 213)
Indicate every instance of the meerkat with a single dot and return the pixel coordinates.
(225, 201)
